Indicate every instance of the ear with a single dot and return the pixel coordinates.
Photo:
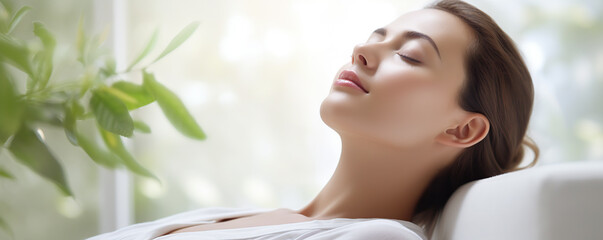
(471, 130)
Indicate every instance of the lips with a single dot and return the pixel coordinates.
(350, 78)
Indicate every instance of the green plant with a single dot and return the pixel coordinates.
(32, 97)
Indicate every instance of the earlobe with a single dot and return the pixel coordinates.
(467, 133)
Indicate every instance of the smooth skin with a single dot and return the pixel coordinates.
(400, 134)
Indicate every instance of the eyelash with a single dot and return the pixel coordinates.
(407, 58)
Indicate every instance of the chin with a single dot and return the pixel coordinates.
(326, 113)
(338, 115)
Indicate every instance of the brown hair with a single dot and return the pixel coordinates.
(499, 86)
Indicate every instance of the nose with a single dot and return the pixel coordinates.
(366, 56)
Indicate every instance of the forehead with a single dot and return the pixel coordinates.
(451, 34)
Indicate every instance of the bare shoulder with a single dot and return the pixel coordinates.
(382, 229)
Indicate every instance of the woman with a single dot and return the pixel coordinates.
(437, 98)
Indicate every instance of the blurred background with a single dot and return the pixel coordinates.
(253, 75)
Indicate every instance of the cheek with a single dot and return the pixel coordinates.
(404, 108)
(411, 108)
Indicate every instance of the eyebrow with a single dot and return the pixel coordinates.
(412, 35)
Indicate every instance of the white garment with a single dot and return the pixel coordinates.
(338, 228)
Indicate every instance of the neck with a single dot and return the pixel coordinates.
(373, 181)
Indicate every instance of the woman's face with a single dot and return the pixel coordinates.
(401, 87)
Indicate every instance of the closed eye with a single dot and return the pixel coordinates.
(409, 59)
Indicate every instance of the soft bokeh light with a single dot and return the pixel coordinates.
(234, 46)
(534, 54)
(68, 207)
(277, 43)
(259, 192)
(151, 188)
(202, 191)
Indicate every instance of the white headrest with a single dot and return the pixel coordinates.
(560, 201)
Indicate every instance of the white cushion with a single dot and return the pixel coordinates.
(560, 201)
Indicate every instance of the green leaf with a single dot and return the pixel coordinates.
(7, 4)
(32, 152)
(97, 153)
(110, 67)
(43, 70)
(93, 50)
(111, 113)
(69, 124)
(47, 39)
(144, 52)
(44, 62)
(142, 127)
(39, 64)
(133, 95)
(4, 226)
(10, 108)
(17, 18)
(77, 109)
(173, 108)
(5, 174)
(46, 112)
(4, 18)
(179, 39)
(115, 144)
(16, 54)
(80, 41)
(87, 81)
